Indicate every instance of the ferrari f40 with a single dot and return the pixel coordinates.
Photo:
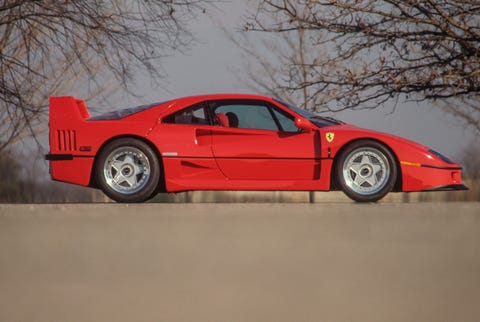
(234, 142)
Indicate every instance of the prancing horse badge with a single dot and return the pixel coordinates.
(329, 136)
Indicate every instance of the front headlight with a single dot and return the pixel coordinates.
(441, 156)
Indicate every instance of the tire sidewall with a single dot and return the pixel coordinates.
(147, 191)
(368, 144)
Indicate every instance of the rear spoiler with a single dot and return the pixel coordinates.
(67, 108)
(67, 113)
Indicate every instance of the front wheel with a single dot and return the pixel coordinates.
(366, 171)
(127, 170)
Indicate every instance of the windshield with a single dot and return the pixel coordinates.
(318, 120)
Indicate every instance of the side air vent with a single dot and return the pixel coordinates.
(67, 140)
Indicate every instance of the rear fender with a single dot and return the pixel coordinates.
(67, 114)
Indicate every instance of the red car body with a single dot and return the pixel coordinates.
(210, 155)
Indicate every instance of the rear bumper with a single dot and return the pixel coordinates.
(70, 168)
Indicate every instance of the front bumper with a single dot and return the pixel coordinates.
(419, 177)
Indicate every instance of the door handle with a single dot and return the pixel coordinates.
(202, 136)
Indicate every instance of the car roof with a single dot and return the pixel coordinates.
(220, 96)
(232, 95)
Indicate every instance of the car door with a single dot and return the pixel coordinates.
(256, 140)
(184, 139)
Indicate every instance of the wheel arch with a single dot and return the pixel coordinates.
(333, 178)
(161, 184)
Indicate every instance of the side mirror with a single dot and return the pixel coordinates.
(304, 124)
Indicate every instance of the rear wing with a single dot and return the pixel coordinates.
(67, 114)
(67, 108)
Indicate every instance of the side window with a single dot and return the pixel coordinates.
(246, 116)
(195, 114)
(286, 121)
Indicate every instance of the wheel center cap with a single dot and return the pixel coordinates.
(127, 170)
(366, 171)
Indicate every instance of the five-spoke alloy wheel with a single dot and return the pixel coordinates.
(366, 171)
(127, 170)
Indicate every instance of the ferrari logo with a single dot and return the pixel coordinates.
(329, 136)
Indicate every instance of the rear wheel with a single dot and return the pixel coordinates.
(127, 170)
(366, 171)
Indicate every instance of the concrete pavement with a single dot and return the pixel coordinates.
(240, 262)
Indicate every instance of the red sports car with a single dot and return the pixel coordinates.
(234, 142)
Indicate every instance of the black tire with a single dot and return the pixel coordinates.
(127, 170)
(366, 171)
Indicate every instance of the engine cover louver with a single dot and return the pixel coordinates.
(67, 140)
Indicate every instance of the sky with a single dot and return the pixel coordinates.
(210, 64)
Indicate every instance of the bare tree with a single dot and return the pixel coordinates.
(50, 46)
(466, 108)
(273, 63)
(379, 50)
(470, 157)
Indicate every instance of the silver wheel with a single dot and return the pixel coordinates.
(366, 171)
(126, 170)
